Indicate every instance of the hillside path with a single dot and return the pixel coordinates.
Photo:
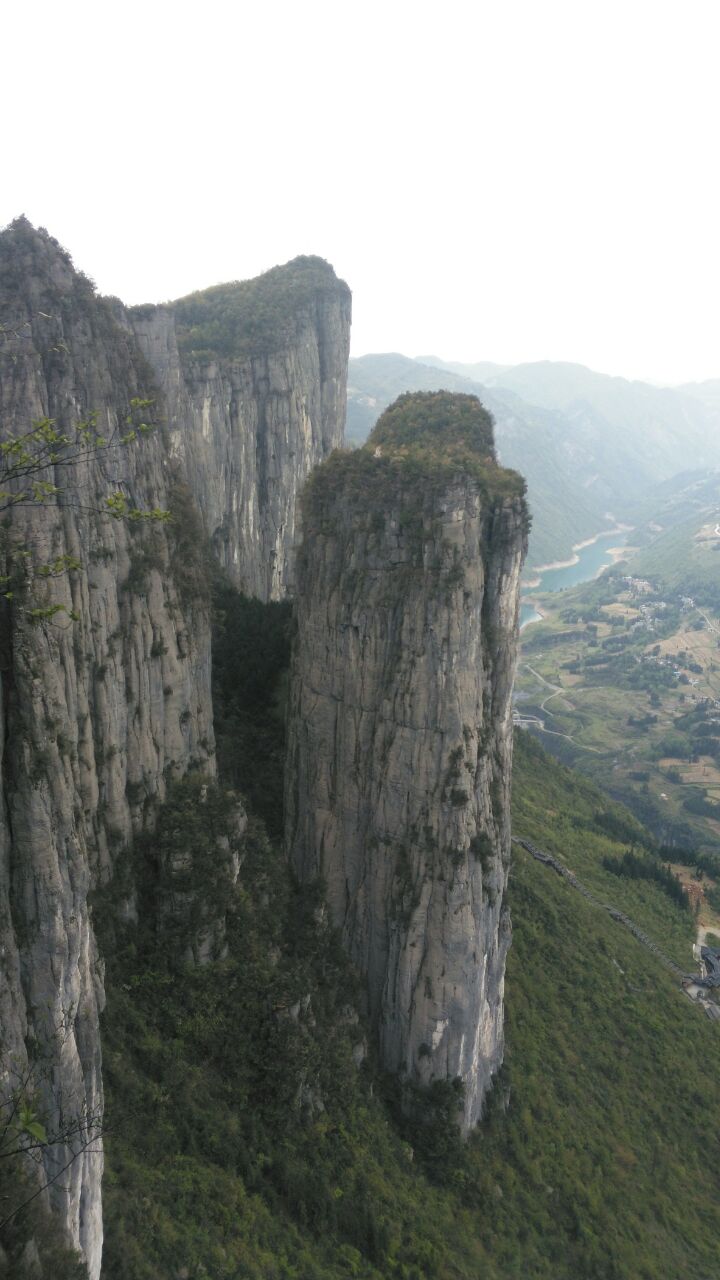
(711, 625)
(549, 860)
(539, 723)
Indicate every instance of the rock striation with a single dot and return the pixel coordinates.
(246, 386)
(254, 379)
(400, 734)
(98, 713)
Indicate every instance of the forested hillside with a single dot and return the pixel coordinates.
(251, 1133)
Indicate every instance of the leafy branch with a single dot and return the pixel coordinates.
(30, 466)
(25, 1136)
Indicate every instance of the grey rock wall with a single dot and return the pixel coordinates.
(250, 423)
(97, 714)
(399, 755)
(101, 713)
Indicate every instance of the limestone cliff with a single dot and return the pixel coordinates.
(400, 732)
(98, 713)
(246, 385)
(254, 379)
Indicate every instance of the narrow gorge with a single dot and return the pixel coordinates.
(107, 699)
(172, 498)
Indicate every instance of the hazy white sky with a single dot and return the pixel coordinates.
(515, 180)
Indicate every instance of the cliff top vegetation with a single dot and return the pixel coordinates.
(41, 288)
(436, 423)
(422, 442)
(253, 317)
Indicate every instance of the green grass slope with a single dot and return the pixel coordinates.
(244, 1141)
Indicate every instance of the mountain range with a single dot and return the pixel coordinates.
(590, 446)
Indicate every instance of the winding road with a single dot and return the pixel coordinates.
(538, 723)
(711, 625)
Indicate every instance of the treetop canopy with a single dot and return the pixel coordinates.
(436, 421)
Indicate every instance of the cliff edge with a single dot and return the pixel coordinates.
(254, 379)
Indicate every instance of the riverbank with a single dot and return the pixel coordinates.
(590, 558)
(619, 553)
(532, 611)
(537, 570)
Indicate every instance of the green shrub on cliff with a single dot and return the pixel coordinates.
(436, 421)
(422, 444)
(253, 317)
(442, 433)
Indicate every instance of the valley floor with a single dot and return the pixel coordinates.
(624, 683)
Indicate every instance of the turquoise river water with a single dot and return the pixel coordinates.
(590, 562)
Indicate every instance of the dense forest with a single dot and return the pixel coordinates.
(250, 1131)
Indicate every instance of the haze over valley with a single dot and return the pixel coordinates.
(262, 692)
(592, 448)
(360, 712)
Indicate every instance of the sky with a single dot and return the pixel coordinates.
(515, 180)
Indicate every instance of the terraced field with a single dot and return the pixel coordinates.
(621, 679)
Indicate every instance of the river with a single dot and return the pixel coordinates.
(591, 560)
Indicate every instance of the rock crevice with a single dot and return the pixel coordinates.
(100, 714)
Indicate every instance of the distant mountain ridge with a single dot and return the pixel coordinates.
(589, 445)
(707, 392)
(677, 535)
(480, 371)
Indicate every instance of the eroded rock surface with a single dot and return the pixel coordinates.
(254, 378)
(101, 713)
(98, 713)
(400, 735)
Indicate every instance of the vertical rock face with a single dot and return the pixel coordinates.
(400, 730)
(254, 378)
(97, 714)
